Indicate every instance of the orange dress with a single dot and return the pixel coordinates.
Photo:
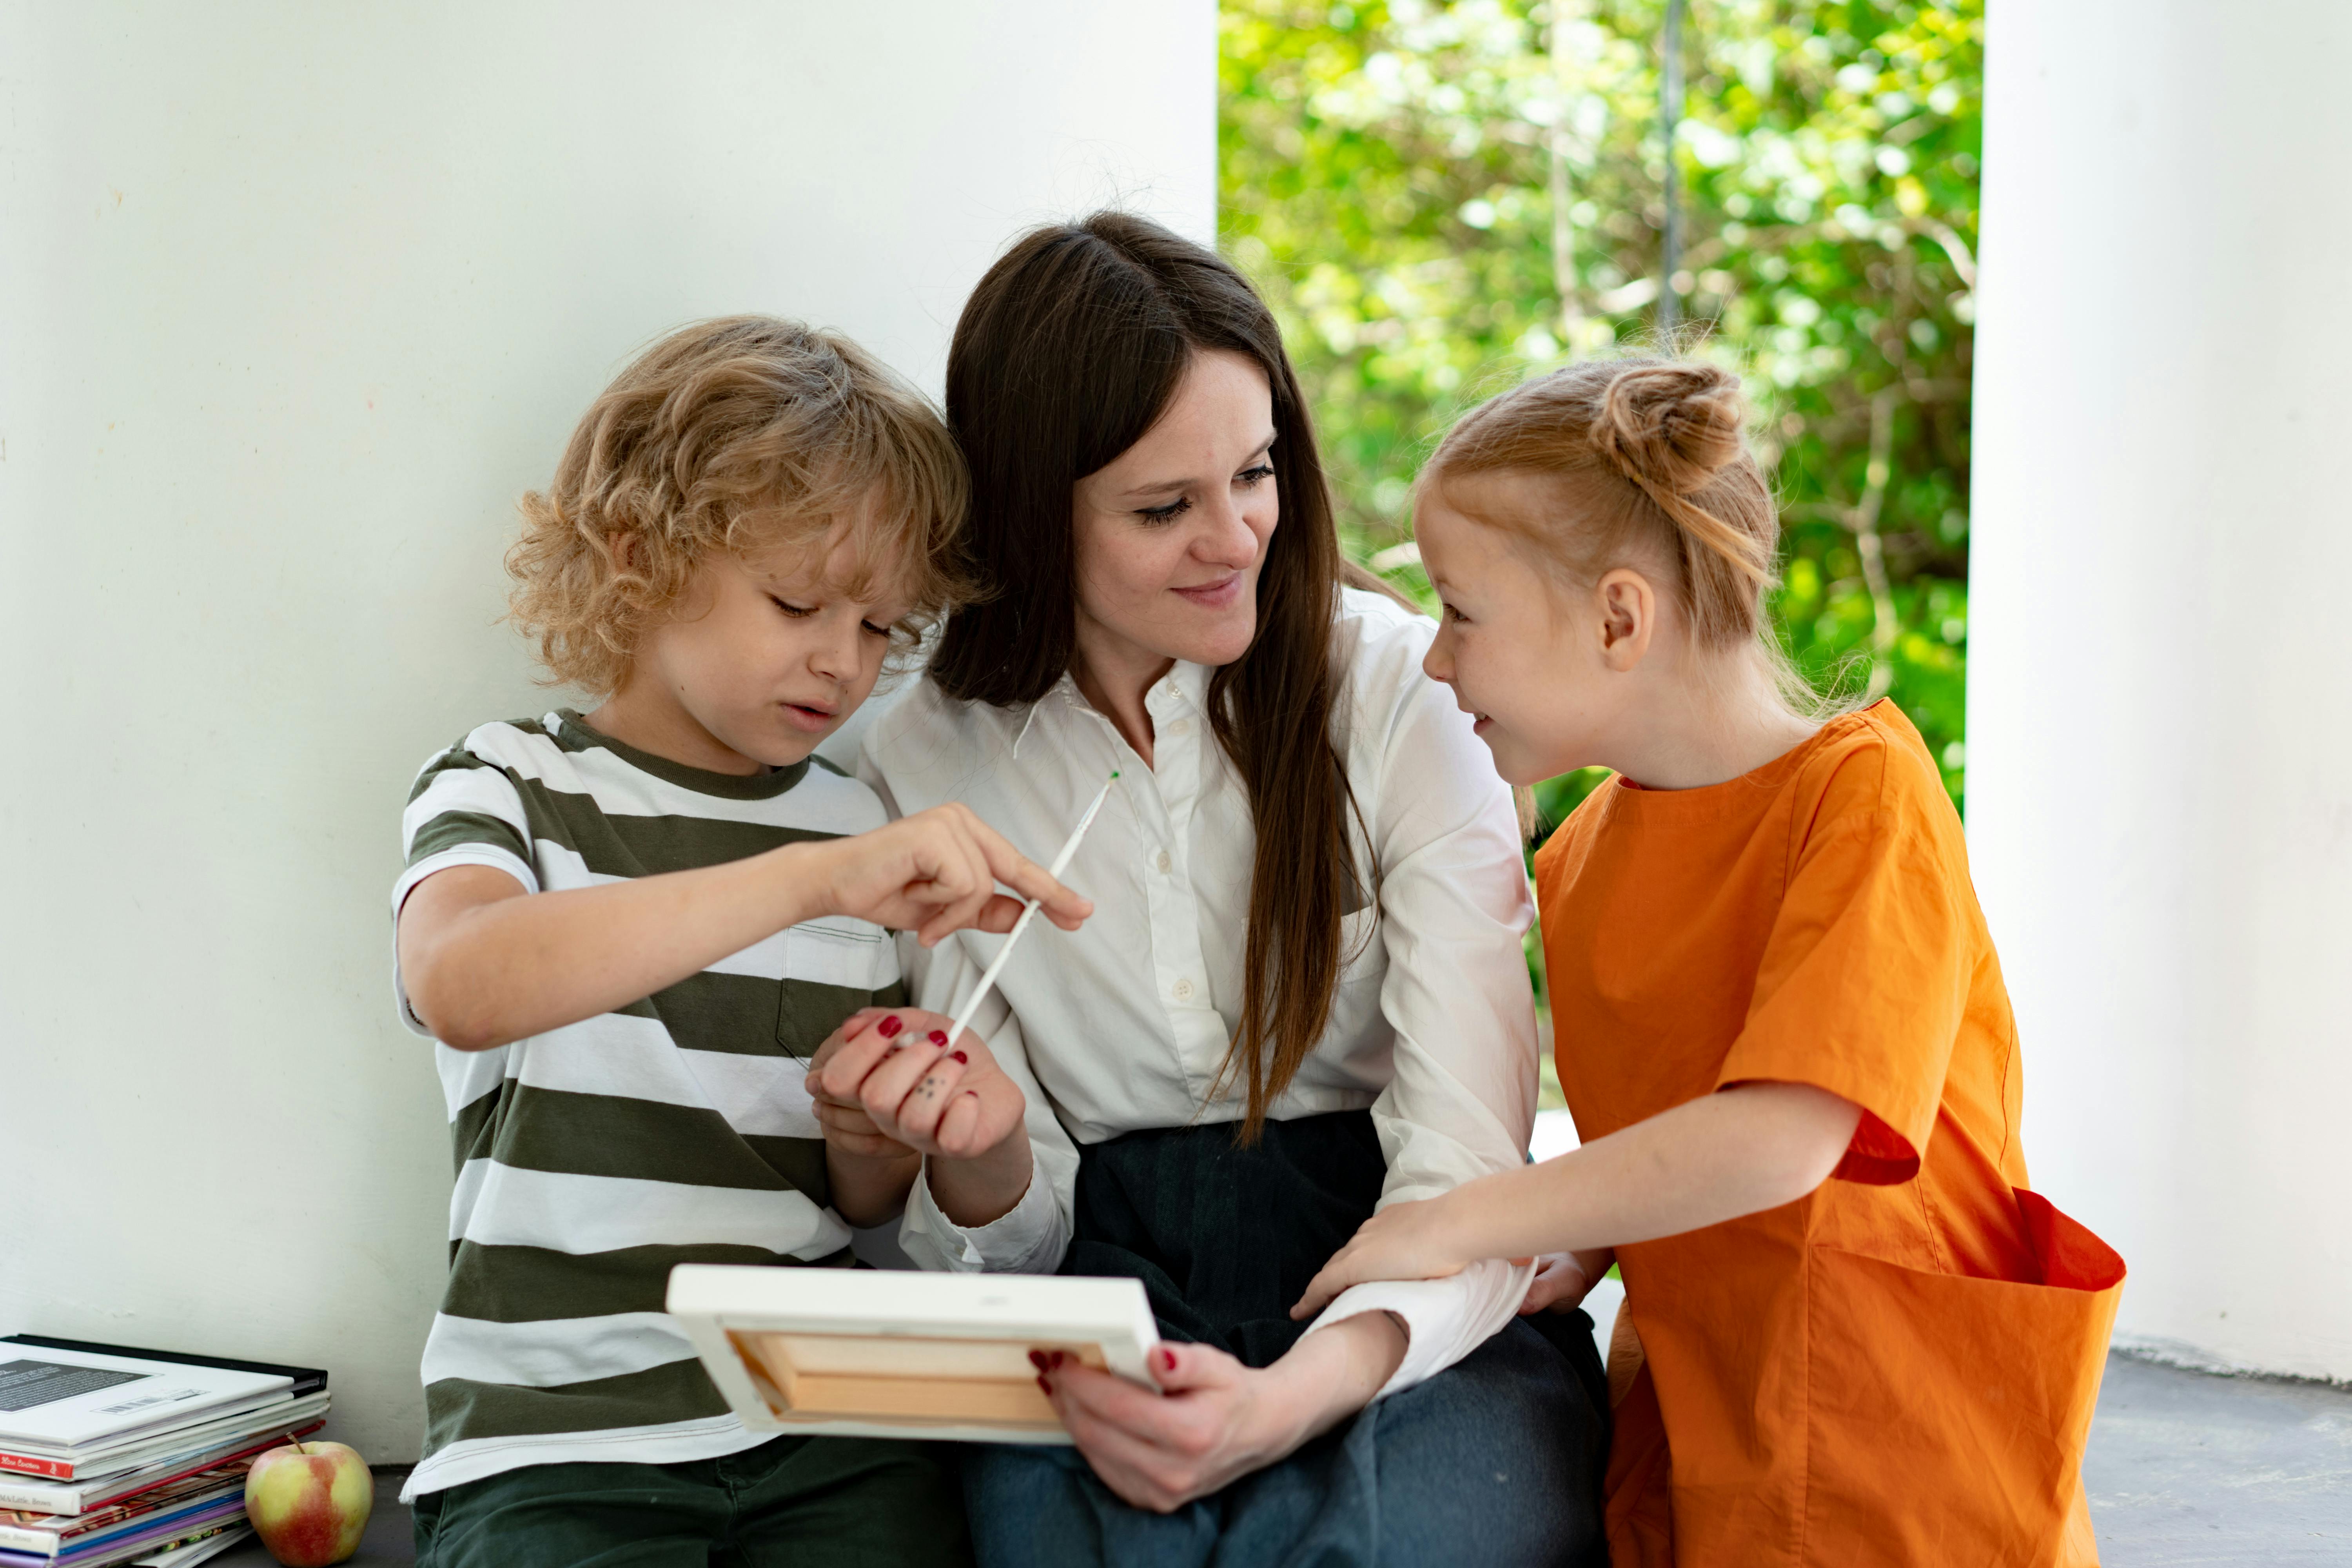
(1900, 1367)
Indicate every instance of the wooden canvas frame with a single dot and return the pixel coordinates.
(889, 1354)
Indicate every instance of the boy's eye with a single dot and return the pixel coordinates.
(1248, 477)
(1169, 513)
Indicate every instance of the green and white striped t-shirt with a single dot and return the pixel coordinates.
(677, 1130)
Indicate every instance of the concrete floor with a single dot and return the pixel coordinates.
(2184, 1469)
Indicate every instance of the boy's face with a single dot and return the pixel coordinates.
(765, 657)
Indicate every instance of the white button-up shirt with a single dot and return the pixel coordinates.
(1124, 1024)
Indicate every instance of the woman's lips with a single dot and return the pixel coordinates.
(1213, 595)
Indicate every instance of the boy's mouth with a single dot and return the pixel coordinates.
(810, 716)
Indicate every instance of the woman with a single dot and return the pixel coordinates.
(1302, 995)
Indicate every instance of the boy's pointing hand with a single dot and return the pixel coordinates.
(936, 872)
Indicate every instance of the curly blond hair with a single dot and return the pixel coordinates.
(746, 434)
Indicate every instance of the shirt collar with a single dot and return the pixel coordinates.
(1185, 685)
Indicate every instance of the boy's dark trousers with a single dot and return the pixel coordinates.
(792, 1502)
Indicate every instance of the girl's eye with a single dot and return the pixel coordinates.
(1456, 616)
(1169, 513)
(1248, 477)
(795, 611)
(878, 631)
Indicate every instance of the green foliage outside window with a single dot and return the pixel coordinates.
(1387, 176)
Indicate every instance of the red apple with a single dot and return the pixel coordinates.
(309, 1503)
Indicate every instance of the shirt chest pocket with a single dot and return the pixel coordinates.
(831, 968)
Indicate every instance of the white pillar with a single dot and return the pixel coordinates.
(2159, 722)
(297, 300)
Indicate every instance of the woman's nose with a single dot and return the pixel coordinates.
(1228, 539)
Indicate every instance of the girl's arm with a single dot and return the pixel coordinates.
(1750, 1148)
(486, 963)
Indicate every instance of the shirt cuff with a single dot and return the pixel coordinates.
(1027, 1238)
(1444, 1319)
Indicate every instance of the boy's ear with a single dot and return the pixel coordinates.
(1628, 618)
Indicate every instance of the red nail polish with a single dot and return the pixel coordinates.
(889, 1026)
(1044, 1387)
(938, 1036)
(958, 1057)
(1059, 1357)
(1037, 1360)
(1167, 1358)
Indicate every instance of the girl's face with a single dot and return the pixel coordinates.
(1532, 661)
(1170, 535)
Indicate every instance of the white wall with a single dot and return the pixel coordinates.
(2159, 730)
(294, 300)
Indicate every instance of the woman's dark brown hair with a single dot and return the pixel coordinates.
(1070, 349)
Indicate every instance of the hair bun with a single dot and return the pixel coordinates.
(1671, 425)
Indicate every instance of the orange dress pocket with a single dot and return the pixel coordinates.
(1947, 1413)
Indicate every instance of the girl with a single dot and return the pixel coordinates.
(1303, 997)
(1851, 1334)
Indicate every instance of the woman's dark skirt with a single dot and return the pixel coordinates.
(1498, 1460)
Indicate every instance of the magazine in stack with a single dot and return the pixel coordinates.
(111, 1454)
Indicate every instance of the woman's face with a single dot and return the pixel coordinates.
(1172, 533)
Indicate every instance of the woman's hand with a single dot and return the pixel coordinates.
(1403, 1241)
(887, 1081)
(1214, 1419)
(1563, 1279)
(1211, 1421)
(936, 872)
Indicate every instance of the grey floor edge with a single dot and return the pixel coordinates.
(2184, 1469)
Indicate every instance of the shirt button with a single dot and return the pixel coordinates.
(1182, 991)
(1163, 862)
(1179, 727)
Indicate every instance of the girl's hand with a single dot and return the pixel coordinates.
(936, 872)
(1213, 1419)
(1404, 1241)
(889, 1076)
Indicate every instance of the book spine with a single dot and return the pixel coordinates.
(39, 1496)
(31, 1464)
(40, 1542)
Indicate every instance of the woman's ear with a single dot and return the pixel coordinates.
(1628, 618)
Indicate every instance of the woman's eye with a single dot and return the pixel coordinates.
(1169, 513)
(1248, 477)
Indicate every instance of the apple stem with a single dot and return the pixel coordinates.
(298, 1445)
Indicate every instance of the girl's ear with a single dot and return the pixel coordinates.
(1628, 619)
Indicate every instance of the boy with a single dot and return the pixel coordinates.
(629, 931)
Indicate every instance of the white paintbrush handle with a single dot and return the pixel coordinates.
(1028, 912)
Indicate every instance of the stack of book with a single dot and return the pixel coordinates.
(110, 1455)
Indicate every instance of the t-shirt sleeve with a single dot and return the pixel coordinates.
(462, 812)
(1864, 975)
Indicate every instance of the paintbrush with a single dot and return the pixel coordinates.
(996, 964)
